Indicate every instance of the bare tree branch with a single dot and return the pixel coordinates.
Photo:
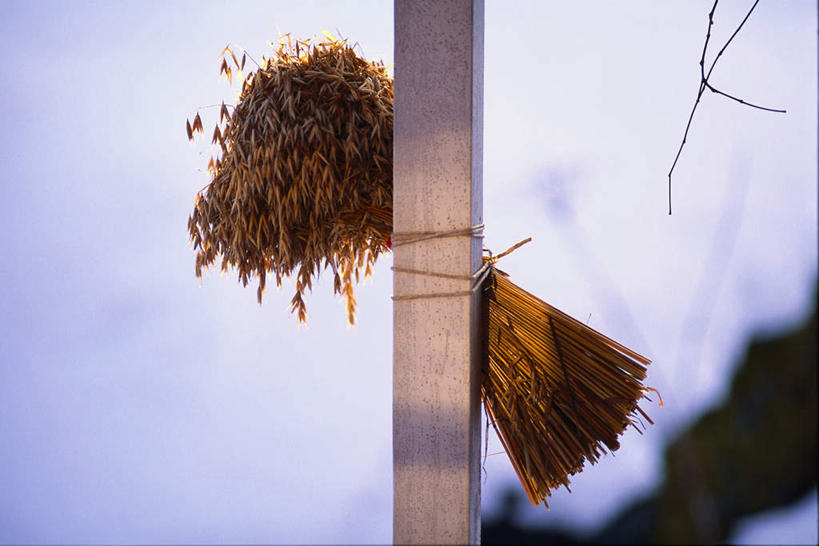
(705, 84)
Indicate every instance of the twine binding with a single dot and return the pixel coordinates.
(477, 278)
(417, 236)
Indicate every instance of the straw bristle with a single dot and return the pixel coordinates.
(556, 391)
(304, 178)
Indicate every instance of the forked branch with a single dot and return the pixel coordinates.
(706, 84)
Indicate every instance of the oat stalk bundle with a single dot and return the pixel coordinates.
(303, 181)
(557, 392)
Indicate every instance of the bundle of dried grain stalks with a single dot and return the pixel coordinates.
(304, 178)
(553, 388)
(304, 182)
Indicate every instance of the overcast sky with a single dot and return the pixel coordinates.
(138, 404)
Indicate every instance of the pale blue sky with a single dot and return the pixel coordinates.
(140, 405)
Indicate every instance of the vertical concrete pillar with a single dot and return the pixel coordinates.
(438, 187)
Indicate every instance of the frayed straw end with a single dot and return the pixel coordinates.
(557, 392)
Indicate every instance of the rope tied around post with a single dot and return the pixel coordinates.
(477, 277)
(418, 236)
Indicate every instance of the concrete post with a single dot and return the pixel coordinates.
(438, 166)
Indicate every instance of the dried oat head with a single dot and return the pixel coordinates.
(303, 180)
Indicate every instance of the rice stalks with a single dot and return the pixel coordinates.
(556, 391)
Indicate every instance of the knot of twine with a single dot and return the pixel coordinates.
(477, 277)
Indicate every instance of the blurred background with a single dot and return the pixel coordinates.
(140, 405)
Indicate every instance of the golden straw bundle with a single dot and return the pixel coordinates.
(553, 389)
(304, 180)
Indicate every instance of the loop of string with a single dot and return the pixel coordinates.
(477, 278)
(417, 236)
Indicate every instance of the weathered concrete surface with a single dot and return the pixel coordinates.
(438, 186)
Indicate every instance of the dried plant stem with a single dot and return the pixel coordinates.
(555, 390)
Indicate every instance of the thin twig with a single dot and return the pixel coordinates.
(721, 51)
(745, 102)
(696, 102)
(705, 84)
